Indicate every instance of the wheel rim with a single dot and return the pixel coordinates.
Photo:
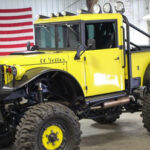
(52, 137)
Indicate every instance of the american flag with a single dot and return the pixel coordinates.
(16, 28)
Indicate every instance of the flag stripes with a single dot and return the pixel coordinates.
(15, 10)
(17, 38)
(16, 28)
(16, 31)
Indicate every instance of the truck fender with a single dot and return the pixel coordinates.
(37, 73)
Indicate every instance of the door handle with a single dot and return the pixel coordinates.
(117, 58)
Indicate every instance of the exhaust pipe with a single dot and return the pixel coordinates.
(119, 102)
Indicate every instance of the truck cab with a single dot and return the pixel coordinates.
(99, 69)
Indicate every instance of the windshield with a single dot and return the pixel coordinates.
(66, 36)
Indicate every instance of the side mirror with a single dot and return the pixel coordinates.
(80, 48)
(91, 44)
(35, 47)
(28, 46)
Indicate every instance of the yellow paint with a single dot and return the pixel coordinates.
(104, 74)
(45, 140)
(140, 62)
(101, 73)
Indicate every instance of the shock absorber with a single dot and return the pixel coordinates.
(40, 92)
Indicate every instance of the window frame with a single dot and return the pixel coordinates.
(102, 21)
(35, 35)
(56, 24)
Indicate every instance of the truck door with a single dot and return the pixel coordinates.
(103, 59)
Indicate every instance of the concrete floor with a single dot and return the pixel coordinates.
(126, 134)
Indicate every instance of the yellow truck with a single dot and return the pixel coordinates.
(81, 66)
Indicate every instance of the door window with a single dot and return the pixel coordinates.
(104, 34)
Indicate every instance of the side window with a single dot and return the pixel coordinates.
(103, 34)
(45, 36)
(60, 37)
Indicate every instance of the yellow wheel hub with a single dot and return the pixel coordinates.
(52, 137)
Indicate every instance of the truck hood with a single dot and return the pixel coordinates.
(36, 58)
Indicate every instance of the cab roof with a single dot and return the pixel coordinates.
(80, 17)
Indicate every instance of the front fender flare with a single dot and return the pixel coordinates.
(32, 75)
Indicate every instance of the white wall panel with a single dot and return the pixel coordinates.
(135, 11)
(44, 7)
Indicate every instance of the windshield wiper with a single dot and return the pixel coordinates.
(73, 31)
(49, 33)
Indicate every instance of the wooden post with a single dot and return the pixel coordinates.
(90, 4)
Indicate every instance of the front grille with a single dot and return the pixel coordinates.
(1, 76)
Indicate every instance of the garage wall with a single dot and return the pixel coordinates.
(44, 7)
(135, 10)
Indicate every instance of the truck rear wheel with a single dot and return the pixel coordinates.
(146, 111)
(48, 126)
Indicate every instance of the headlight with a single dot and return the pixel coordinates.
(56, 14)
(97, 9)
(81, 11)
(120, 7)
(64, 13)
(52, 15)
(107, 8)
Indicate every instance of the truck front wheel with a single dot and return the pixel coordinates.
(7, 138)
(146, 111)
(48, 126)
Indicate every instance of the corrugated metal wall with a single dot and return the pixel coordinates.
(136, 9)
(44, 7)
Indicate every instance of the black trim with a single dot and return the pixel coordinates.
(138, 47)
(135, 82)
(1, 76)
(128, 55)
(120, 47)
(124, 50)
(102, 98)
(27, 53)
(141, 50)
(43, 17)
(138, 29)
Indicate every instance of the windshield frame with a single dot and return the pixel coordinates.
(56, 24)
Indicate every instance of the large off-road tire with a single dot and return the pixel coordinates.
(7, 138)
(48, 126)
(146, 111)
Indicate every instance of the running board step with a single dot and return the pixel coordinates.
(104, 98)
